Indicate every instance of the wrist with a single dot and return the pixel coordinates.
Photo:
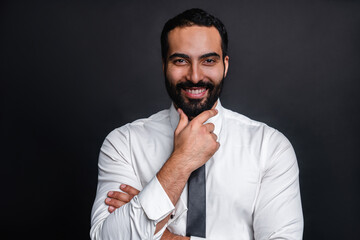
(173, 177)
(181, 164)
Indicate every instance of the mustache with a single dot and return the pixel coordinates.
(189, 84)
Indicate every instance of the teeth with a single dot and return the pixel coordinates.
(195, 91)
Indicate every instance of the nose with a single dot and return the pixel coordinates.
(194, 73)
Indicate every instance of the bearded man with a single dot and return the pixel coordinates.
(196, 170)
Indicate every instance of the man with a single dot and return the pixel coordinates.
(251, 172)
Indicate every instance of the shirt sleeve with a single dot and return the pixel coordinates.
(138, 218)
(278, 212)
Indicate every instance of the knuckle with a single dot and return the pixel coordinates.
(203, 129)
(117, 204)
(134, 191)
(120, 196)
(116, 195)
(214, 145)
(209, 114)
(112, 202)
(192, 125)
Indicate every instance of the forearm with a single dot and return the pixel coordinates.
(137, 219)
(127, 222)
(173, 180)
(173, 177)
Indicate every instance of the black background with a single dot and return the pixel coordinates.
(72, 71)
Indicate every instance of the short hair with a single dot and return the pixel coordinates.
(194, 16)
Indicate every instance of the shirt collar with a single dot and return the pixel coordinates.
(216, 120)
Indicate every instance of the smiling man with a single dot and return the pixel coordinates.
(195, 68)
(196, 170)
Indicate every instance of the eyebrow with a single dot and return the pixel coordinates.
(212, 54)
(182, 55)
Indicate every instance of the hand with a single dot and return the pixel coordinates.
(167, 235)
(194, 142)
(117, 199)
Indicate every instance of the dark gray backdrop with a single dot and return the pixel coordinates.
(72, 71)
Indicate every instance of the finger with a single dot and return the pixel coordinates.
(214, 136)
(183, 122)
(210, 127)
(217, 146)
(111, 209)
(205, 115)
(129, 189)
(112, 202)
(124, 197)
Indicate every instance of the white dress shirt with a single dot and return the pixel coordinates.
(252, 184)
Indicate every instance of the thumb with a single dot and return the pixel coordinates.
(183, 122)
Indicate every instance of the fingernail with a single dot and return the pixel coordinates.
(110, 193)
(111, 208)
(107, 200)
(122, 186)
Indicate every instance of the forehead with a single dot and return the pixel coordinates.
(194, 40)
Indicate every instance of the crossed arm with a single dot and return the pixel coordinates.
(194, 144)
(117, 199)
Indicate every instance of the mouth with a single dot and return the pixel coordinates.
(195, 92)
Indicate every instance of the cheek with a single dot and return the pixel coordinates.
(175, 74)
(215, 74)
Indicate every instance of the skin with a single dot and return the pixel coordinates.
(194, 55)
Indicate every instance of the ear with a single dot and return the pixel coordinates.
(226, 65)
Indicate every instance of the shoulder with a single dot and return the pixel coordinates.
(155, 123)
(244, 123)
(255, 132)
(261, 140)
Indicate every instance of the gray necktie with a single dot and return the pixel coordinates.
(196, 215)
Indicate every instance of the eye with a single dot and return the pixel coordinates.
(209, 61)
(179, 61)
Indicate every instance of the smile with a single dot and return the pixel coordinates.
(195, 93)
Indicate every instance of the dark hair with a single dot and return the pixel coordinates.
(194, 16)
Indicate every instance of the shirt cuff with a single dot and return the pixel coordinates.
(180, 209)
(155, 202)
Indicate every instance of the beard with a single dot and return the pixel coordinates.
(193, 107)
